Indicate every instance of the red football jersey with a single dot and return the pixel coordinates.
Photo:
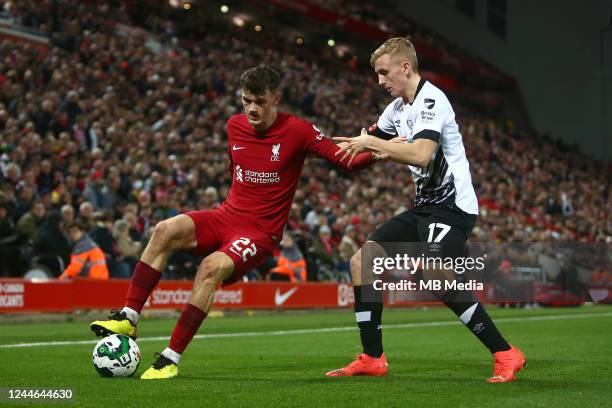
(266, 167)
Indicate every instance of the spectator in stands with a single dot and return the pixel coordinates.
(295, 222)
(71, 106)
(7, 198)
(322, 246)
(51, 243)
(7, 227)
(11, 172)
(111, 195)
(45, 181)
(93, 192)
(348, 246)
(67, 217)
(210, 198)
(290, 263)
(128, 248)
(86, 215)
(10, 253)
(30, 222)
(70, 184)
(25, 200)
(323, 253)
(135, 231)
(102, 235)
(43, 117)
(87, 259)
(312, 220)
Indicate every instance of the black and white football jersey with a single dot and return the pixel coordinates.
(446, 180)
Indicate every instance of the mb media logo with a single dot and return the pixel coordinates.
(239, 173)
(429, 103)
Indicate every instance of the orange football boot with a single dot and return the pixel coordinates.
(507, 364)
(363, 365)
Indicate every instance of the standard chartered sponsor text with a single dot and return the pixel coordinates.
(181, 296)
(261, 177)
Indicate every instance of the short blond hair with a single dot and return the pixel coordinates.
(397, 47)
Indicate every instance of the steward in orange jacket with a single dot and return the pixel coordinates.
(290, 262)
(87, 259)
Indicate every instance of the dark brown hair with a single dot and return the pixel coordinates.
(77, 225)
(260, 79)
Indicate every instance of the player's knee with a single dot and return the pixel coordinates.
(171, 234)
(208, 272)
(213, 270)
(162, 234)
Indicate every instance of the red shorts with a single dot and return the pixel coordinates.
(246, 245)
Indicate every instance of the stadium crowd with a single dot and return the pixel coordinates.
(118, 130)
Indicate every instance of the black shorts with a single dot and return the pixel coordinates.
(441, 229)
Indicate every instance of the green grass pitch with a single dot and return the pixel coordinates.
(280, 360)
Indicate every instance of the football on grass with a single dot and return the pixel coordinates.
(116, 356)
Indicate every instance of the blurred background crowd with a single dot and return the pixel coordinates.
(119, 122)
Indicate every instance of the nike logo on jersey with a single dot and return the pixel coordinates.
(279, 298)
(238, 148)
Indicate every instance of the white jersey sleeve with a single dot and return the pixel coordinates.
(385, 121)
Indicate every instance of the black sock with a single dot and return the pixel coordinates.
(475, 317)
(368, 312)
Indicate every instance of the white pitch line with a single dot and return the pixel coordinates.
(309, 331)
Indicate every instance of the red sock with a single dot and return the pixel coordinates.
(186, 327)
(143, 281)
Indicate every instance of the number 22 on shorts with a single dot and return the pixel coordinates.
(244, 247)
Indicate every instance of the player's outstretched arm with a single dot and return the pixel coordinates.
(319, 144)
(360, 161)
(418, 153)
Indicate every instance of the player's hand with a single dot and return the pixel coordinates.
(342, 145)
(355, 146)
(346, 148)
(380, 156)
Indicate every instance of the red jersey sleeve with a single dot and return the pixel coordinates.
(316, 142)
